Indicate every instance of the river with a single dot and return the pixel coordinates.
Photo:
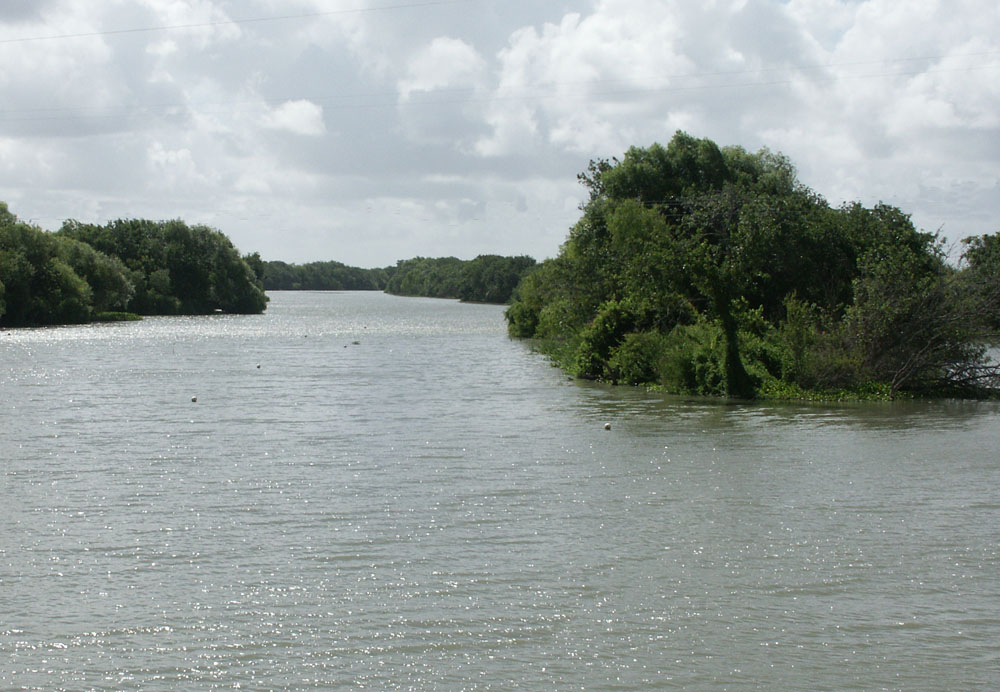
(359, 491)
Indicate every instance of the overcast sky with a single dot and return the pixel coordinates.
(368, 131)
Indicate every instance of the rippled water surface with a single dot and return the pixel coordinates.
(383, 493)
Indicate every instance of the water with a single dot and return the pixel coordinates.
(401, 498)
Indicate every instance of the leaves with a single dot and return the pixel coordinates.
(691, 234)
(139, 266)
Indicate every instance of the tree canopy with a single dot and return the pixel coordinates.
(321, 276)
(485, 279)
(714, 270)
(84, 272)
(176, 268)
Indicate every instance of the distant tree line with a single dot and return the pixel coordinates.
(709, 270)
(485, 279)
(321, 276)
(85, 272)
(133, 267)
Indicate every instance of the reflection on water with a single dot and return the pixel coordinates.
(399, 497)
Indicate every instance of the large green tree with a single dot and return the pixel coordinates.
(714, 270)
(176, 268)
(40, 285)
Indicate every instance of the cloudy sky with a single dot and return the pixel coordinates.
(368, 131)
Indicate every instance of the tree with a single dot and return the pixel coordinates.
(39, 286)
(709, 270)
(485, 279)
(107, 276)
(175, 268)
(982, 274)
(492, 278)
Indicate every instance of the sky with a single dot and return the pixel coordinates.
(370, 131)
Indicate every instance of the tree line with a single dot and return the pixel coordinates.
(133, 267)
(85, 272)
(321, 276)
(485, 279)
(708, 270)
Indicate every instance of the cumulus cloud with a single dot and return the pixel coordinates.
(629, 66)
(299, 117)
(171, 168)
(440, 129)
(445, 62)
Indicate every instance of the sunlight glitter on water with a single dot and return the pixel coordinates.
(435, 507)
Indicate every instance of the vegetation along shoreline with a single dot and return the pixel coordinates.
(694, 269)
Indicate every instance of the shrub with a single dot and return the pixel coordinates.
(522, 321)
(600, 337)
(638, 359)
(694, 360)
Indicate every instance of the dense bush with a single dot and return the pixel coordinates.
(714, 271)
(84, 271)
(176, 268)
(40, 284)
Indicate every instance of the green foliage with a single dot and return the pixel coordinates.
(915, 324)
(115, 316)
(983, 254)
(107, 276)
(40, 287)
(694, 360)
(175, 268)
(812, 348)
(599, 338)
(485, 279)
(492, 278)
(714, 271)
(638, 359)
(428, 277)
(7, 217)
(85, 271)
(69, 296)
(982, 276)
(320, 276)
(545, 303)
(522, 321)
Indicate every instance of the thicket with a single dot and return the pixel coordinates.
(485, 279)
(85, 272)
(709, 270)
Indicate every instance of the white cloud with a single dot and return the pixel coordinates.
(467, 124)
(203, 22)
(299, 117)
(444, 63)
(173, 168)
(599, 79)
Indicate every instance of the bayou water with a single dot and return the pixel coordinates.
(358, 491)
